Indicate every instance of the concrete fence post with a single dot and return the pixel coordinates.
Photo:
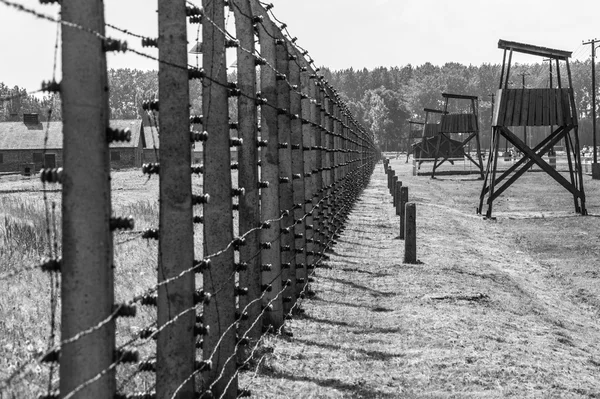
(323, 165)
(299, 179)
(219, 313)
(325, 209)
(401, 204)
(176, 342)
(393, 191)
(286, 194)
(87, 296)
(270, 206)
(249, 203)
(312, 139)
(332, 145)
(410, 243)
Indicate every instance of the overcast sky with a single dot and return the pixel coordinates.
(338, 33)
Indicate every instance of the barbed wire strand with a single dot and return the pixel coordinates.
(51, 236)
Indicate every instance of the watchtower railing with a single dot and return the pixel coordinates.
(431, 129)
(534, 107)
(415, 129)
(459, 123)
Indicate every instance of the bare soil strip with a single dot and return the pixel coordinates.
(494, 309)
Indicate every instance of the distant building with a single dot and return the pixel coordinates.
(152, 146)
(22, 148)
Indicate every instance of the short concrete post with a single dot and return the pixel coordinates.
(393, 189)
(401, 204)
(388, 174)
(410, 243)
(595, 170)
(552, 159)
(397, 198)
(390, 179)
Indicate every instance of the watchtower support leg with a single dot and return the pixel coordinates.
(569, 148)
(478, 142)
(507, 70)
(555, 137)
(437, 153)
(486, 178)
(544, 165)
(494, 163)
(502, 70)
(583, 210)
(513, 177)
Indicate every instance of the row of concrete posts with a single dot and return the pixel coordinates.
(407, 212)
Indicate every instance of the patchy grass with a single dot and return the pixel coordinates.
(25, 300)
(494, 309)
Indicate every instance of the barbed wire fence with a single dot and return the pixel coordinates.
(302, 161)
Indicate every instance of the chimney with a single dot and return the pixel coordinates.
(146, 122)
(31, 119)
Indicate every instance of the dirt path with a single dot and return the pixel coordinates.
(483, 315)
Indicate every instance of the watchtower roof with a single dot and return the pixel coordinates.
(435, 111)
(534, 50)
(459, 96)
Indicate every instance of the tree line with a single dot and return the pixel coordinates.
(382, 99)
(385, 99)
(15, 101)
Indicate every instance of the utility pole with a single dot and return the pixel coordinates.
(595, 168)
(549, 69)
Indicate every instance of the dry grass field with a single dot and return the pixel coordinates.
(494, 309)
(25, 305)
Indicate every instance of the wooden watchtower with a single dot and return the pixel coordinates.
(424, 150)
(553, 107)
(415, 132)
(458, 123)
